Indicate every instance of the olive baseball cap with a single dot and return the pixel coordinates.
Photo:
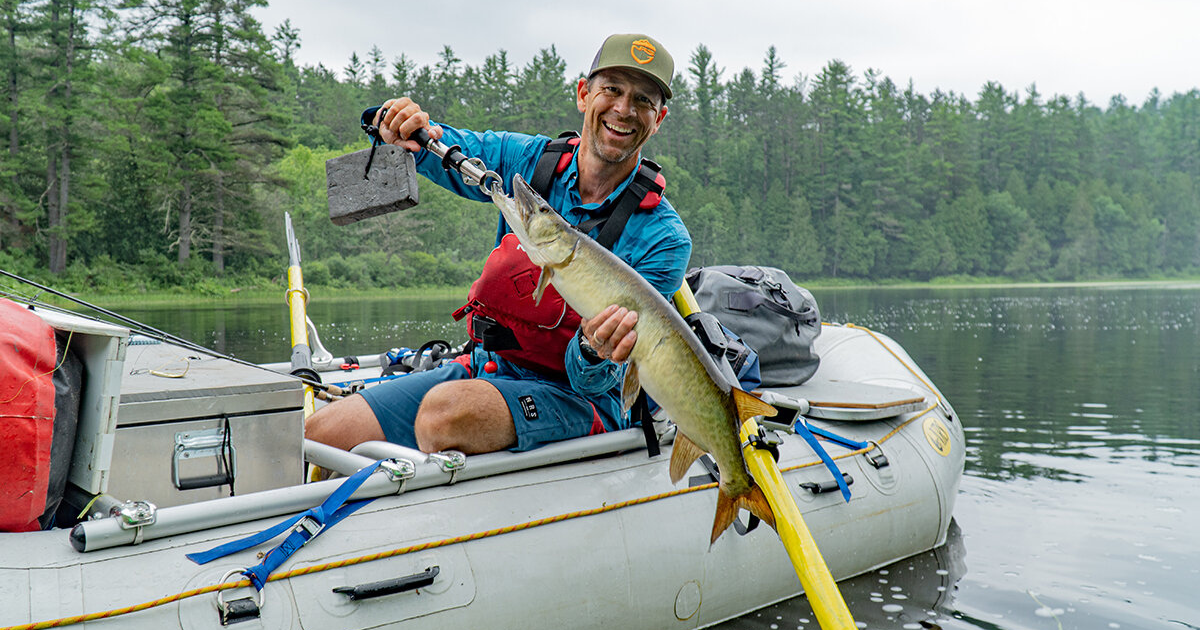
(636, 52)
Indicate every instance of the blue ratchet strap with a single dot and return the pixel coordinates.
(304, 527)
(842, 440)
(806, 432)
(367, 381)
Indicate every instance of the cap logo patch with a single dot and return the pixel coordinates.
(642, 51)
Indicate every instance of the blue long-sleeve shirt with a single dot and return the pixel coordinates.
(656, 243)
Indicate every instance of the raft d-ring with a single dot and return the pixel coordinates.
(287, 295)
(220, 603)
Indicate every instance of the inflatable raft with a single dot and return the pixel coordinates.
(584, 533)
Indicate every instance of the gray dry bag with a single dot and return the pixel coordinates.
(776, 318)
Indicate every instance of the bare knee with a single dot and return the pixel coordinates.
(469, 416)
(345, 424)
(438, 421)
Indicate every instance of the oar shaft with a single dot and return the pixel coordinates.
(297, 300)
(818, 583)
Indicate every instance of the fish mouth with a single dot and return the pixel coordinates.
(528, 201)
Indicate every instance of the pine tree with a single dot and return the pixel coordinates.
(64, 69)
(17, 205)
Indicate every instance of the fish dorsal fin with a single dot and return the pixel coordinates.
(542, 283)
(749, 405)
(683, 455)
(631, 387)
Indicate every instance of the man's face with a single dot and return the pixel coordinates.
(621, 110)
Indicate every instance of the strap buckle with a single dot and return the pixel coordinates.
(308, 524)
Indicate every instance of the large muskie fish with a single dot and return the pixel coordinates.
(668, 361)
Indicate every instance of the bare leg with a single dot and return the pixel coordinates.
(468, 415)
(345, 423)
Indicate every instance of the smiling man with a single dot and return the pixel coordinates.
(537, 372)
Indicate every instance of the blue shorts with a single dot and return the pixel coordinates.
(543, 410)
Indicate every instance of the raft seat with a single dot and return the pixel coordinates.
(854, 402)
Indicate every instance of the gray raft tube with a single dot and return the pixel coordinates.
(412, 470)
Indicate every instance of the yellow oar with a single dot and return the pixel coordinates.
(297, 299)
(818, 583)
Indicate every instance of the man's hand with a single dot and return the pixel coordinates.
(611, 332)
(404, 117)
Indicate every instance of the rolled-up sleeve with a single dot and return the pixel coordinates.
(587, 378)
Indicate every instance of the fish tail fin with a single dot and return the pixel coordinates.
(756, 502)
(727, 510)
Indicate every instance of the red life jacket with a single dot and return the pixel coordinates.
(504, 318)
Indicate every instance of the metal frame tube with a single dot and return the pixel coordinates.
(182, 519)
(334, 458)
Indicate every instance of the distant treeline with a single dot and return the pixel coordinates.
(157, 145)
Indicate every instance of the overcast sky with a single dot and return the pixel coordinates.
(1097, 47)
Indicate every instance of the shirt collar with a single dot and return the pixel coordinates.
(571, 177)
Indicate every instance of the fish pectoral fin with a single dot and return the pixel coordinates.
(749, 405)
(683, 455)
(630, 387)
(727, 510)
(542, 283)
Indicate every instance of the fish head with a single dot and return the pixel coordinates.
(547, 238)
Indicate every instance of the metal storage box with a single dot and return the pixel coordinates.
(192, 427)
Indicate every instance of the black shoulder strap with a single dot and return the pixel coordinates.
(551, 162)
(646, 186)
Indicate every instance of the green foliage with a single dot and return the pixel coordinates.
(200, 132)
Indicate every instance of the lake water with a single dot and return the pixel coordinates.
(1081, 497)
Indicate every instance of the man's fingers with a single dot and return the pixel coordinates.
(621, 352)
(612, 333)
(591, 327)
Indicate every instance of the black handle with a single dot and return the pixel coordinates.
(390, 587)
(827, 486)
(421, 135)
(207, 481)
(371, 129)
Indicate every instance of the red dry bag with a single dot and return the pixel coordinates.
(27, 354)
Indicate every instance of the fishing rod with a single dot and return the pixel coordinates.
(154, 333)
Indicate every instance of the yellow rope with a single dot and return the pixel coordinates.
(908, 367)
(66, 621)
(37, 376)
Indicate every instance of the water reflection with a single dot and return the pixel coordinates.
(914, 593)
(1079, 372)
(260, 331)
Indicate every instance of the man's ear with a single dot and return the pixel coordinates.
(662, 113)
(581, 92)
